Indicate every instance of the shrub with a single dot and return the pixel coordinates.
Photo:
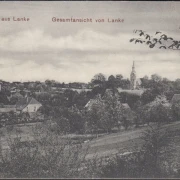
(9, 128)
(47, 156)
(150, 162)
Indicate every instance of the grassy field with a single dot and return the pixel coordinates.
(32, 136)
(130, 141)
(125, 141)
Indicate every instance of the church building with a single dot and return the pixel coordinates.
(134, 84)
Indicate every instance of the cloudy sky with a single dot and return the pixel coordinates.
(41, 49)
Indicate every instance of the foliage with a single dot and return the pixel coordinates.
(3, 98)
(110, 112)
(99, 78)
(130, 99)
(76, 120)
(160, 110)
(63, 125)
(150, 162)
(47, 156)
(107, 112)
(93, 115)
(176, 110)
(160, 40)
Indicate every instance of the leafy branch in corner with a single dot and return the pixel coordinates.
(160, 40)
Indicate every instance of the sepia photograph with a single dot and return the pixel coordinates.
(89, 89)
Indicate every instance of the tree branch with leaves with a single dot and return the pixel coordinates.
(159, 40)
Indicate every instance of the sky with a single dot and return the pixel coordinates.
(41, 49)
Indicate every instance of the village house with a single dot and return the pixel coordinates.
(28, 104)
(24, 105)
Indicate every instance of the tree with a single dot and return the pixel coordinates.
(92, 118)
(63, 124)
(130, 99)
(119, 80)
(98, 90)
(155, 150)
(31, 86)
(105, 113)
(39, 87)
(124, 84)
(76, 120)
(119, 76)
(112, 83)
(148, 96)
(156, 77)
(176, 109)
(92, 114)
(81, 99)
(160, 110)
(110, 111)
(3, 98)
(145, 82)
(142, 115)
(98, 80)
(177, 84)
(99, 77)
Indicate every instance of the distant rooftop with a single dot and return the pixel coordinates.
(93, 101)
(137, 92)
(7, 109)
(23, 102)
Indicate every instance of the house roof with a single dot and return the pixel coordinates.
(126, 106)
(137, 92)
(175, 98)
(7, 110)
(93, 101)
(9, 106)
(23, 102)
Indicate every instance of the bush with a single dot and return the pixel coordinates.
(63, 125)
(9, 128)
(150, 162)
(47, 156)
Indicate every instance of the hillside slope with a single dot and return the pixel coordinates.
(127, 141)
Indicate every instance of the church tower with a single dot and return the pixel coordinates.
(133, 77)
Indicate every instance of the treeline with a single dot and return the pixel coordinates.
(67, 108)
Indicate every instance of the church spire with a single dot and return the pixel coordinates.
(133, 77)
(133, 65)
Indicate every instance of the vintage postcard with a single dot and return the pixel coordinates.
(89, 89)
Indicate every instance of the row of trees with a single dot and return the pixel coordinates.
(106, 113)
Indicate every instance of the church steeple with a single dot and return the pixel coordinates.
(133, 77)
(133, 67)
